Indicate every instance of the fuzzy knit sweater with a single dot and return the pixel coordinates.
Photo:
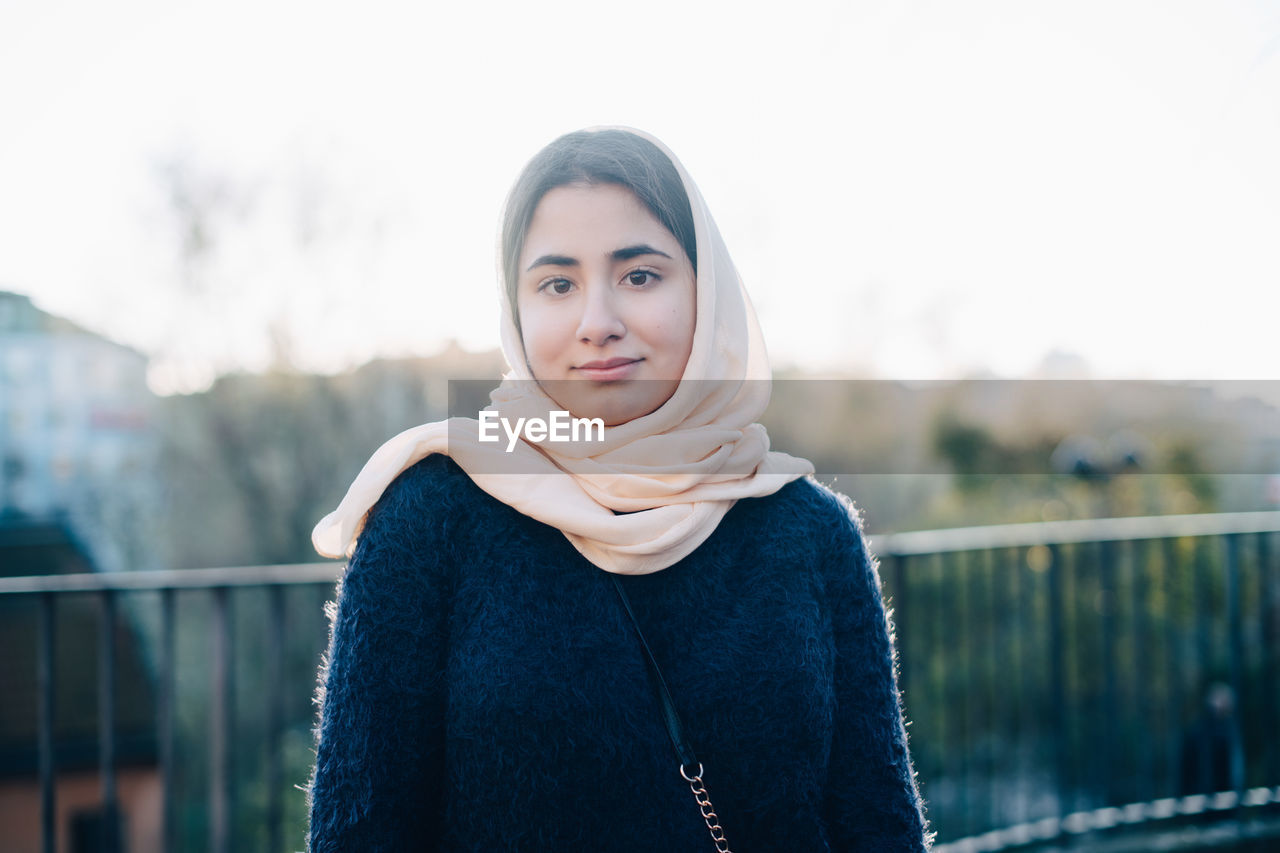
(484, 688)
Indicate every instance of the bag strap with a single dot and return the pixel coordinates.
(684, 753)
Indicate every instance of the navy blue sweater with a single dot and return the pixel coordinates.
(484, 688)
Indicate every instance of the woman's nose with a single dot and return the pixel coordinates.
(600, 318)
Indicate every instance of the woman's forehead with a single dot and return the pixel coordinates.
(596, 219)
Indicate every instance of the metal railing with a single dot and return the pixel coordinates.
(1048, 671)
(1054, 672)
(221, 585)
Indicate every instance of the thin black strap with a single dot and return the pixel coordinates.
(683, 752)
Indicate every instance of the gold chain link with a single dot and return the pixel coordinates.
(704, 805)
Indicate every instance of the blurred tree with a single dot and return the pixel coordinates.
(1186, 461)
(969, 449)
(255, 461)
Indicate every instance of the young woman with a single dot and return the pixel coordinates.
(652, 635)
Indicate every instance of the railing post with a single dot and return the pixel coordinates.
(1269, 616)
(110, 826)
(1020, 651)
(1058, 675)
(1174, 675)
(1005, 672)
(1110, 716)
(994, 710)
(165, 717)
(1204, 652)
(1235, 640)
(45, 683)
(275, 671)
(933, 696)
(964, 645)
(220, 736)
(1139, 555)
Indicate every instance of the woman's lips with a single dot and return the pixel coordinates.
(608, 371)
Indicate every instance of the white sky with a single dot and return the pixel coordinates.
(913, 190)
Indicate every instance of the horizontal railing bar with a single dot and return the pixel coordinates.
(1075, 531)
(1152, 813)
(908, 543)
(298, 573)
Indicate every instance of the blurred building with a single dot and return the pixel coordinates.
(78, 445)
(79, 492)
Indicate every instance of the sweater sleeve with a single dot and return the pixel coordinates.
(872, 802)
(376, 784)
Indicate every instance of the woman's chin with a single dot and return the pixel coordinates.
(614, 409)
(615, 403)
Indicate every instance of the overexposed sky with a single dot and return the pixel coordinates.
(911, 190)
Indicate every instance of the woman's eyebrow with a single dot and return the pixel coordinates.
(636, 251)
(625, 254)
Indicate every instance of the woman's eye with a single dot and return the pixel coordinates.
(641, 277)
(558, 286)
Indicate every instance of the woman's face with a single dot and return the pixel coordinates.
(607, 303)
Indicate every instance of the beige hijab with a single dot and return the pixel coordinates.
(675, 472)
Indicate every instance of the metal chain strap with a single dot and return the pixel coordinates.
(684, 755)
(704, 805)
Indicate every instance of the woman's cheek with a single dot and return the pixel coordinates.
(545, 339)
